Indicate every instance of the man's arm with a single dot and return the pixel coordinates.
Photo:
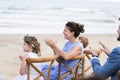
(111, 66)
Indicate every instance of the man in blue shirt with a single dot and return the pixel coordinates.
(112, 65)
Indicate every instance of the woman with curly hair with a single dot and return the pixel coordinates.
(72, 48)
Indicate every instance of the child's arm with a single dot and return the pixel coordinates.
(23, 64)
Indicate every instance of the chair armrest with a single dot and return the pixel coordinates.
(41, 59)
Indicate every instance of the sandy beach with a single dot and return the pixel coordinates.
(11, 46)
(46, 19)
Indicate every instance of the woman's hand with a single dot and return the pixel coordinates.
(50, 43)
(59, 59)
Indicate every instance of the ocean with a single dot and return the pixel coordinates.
(50, 16)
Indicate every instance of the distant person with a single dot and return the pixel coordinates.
(72, 48)
(112, 65)
(32, 47)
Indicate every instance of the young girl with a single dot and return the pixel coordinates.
(32, 47)
(85, 43)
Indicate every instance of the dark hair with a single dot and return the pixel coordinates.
(32, 41)
(84, 40)
(76, 28)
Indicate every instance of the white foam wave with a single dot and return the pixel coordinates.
(113, 0)
(30, 30)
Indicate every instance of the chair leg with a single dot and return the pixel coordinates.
(119, 75)
(59, 78)
(28, 75)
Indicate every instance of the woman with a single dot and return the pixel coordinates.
(72, 48)
(32, 47)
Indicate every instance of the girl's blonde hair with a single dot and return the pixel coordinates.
(32, 41)
(84, 40)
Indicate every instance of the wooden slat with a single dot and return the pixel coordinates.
(52, 58)
(41, 59)
(30, 62)
(71, 70)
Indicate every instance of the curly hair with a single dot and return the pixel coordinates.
(32, 41)
(76, 28)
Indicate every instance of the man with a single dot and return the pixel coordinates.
(112, 65)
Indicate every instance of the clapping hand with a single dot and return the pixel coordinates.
(93, 52)
(50, 43)
(104, 48)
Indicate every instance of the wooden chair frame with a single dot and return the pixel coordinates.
(51, 59)
(71, 70)
(30, 62)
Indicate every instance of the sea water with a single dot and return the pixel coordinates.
(50, 16)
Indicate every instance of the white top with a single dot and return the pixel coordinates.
(38, 65)
(33, 73)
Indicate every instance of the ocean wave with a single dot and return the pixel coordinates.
(54, 14)
(101, 20)
(57, 8)
(17, 8)
(113, 0)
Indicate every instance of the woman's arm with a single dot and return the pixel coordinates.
(70, 55)
(67, 56)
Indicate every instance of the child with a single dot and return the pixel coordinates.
(32, 47)
(85, 43)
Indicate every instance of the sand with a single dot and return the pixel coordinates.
(11, 46)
